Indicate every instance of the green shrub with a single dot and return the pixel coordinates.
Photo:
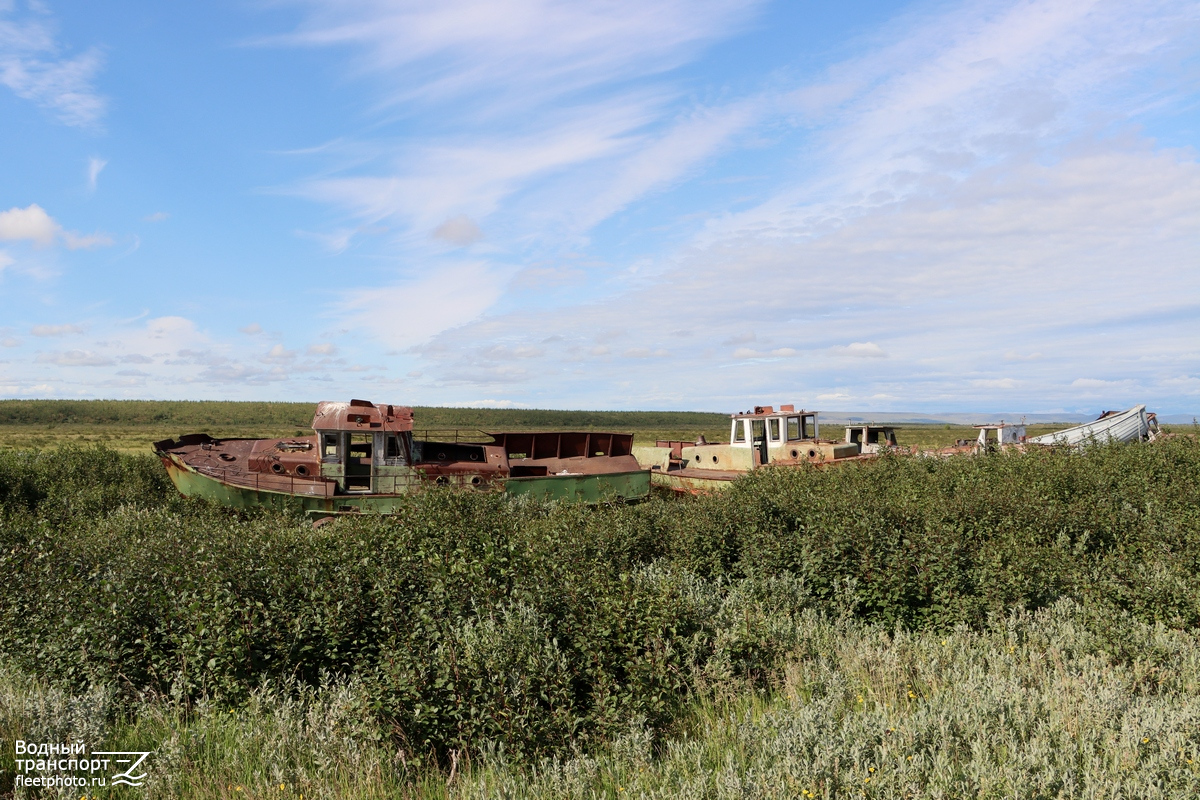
(469, 619)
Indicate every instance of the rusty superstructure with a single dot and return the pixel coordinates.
(759, 437)
(362, 456)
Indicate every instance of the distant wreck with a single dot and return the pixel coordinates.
(1132, 425)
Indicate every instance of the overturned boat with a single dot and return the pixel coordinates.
(1132, 425)
(757, 438)
(364, 457)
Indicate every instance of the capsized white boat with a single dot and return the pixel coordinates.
(1134, 424)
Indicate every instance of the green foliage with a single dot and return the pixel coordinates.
(470, 621)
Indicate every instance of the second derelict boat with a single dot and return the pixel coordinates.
(757, 438)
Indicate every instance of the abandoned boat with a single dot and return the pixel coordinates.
(1133, 424)
(363, 457)
(759, 437)
(993, 437)
(870, 438)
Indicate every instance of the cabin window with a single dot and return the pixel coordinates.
(794, 429)
(329, 447)
(773, 429)
(395, 449)
(739, 431)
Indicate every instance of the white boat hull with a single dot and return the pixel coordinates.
(1128, 426)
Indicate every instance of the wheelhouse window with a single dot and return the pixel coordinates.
(801, 426)
(396, 448)
(773, 429)
(739, 431)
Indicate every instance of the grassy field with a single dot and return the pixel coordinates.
(1001, 626)
(132, 425)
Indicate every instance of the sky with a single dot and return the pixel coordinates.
(604, 204)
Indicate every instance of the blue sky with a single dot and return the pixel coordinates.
(695, 204)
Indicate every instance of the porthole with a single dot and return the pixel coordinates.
(714, 459)
(476, 481)
(697, 458)
(228, 457)
(441, 457)
(442, 480)
(301, 470)
(795, 454)
(277, 467)
(474, 456)
(812, 453)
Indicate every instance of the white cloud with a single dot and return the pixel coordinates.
(322, 349)
(459, 231)
(859, 350)
(55, 330)
(415, 311)
(489, 403)
(95, 166)
(91, 241)
(279, 353)
(157, 216)
(33, 67)
(6, 260)
(253, 329)
(1096, 383)
(10, 341)
(31, 223)
(75, 358)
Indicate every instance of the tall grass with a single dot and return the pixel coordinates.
(548, 650)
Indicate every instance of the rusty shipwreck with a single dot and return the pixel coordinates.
(757, 438)
(363, 457)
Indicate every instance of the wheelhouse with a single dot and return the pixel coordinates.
(358, 437)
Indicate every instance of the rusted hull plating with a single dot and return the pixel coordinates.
(321, 500)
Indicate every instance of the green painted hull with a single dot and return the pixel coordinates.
(690, 484)
(620, 486)
(583, 488)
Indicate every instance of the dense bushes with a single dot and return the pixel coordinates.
(471, 618)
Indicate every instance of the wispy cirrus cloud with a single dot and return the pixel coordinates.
(35, 67)
(95, 167)
(518, 53)
(970, 187)
(608, 129)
